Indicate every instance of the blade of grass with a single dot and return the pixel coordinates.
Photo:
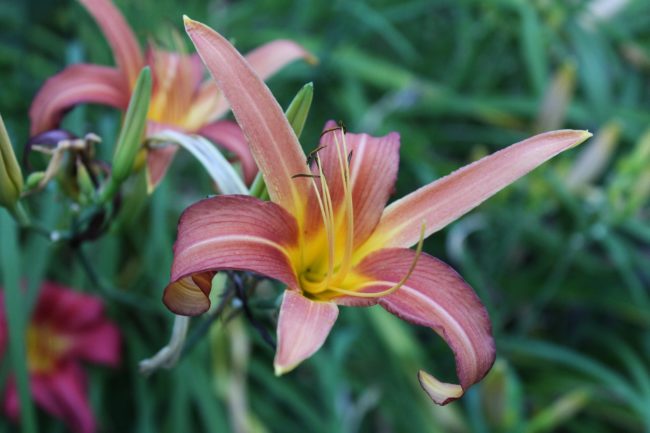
(16, 318)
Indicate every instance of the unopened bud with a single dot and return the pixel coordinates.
(11, 178)
(131, 135)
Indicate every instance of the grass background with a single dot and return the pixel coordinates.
(560, 258)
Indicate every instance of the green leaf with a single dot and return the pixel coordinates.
(16, 318)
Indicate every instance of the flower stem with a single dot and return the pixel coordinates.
(19, 213)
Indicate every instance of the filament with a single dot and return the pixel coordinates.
(400, 283)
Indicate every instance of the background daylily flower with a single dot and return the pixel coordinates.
(66, 328)
(326, 234)
(181, 100)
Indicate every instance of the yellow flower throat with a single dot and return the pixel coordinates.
(328, 259)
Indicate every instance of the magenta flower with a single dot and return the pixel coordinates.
(181, 100)
(327, 235)
(66, 329)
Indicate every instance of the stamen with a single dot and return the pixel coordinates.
(341, 127)
(312, 155)
(346, 263)
(327, 213)
(386, 292)
(329, 209)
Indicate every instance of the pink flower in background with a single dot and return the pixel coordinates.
(328, 235)
(181, 99)
(66, 329)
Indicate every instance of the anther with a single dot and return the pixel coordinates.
(312, 176)
(312, 155)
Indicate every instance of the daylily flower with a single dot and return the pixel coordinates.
(66, 328)
(181, 100)
(326, 235)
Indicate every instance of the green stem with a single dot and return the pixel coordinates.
(16, 320)
(109, 191)
(258, 188)
(109, 292)
(19, 213)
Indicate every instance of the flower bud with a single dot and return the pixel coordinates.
(130, 139)
(11, 178)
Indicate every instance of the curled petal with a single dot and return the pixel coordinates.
(229, 135)
(450, 197)
(272, 140)
(76, 84)
(126, 50)
(229, 232)
(437, 297)
(303, 326)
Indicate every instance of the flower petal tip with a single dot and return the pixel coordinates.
(584, 136)
(281, 370)
(440, 392)
(189, 23)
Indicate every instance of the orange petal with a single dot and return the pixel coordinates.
(120, 37)
(229, 232)
(450, 197)
(270, 137)
(229, 135)
(303, 326)
(76, 84)
(437, 297)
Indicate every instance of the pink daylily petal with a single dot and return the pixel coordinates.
(71, 311)
(272, 140)
(303, 326)
(229, 135)
(229, 232)
(159, 159)
(269, 58)
(450, 197)
(99, 344)
(63, 394)
(437, 297)
(126, 49)
(265, 60)
(373, 171)
(74, 85)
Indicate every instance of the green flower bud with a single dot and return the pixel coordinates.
(130, 138)
(11, 178)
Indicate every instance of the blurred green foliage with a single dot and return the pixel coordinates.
(561, 265)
